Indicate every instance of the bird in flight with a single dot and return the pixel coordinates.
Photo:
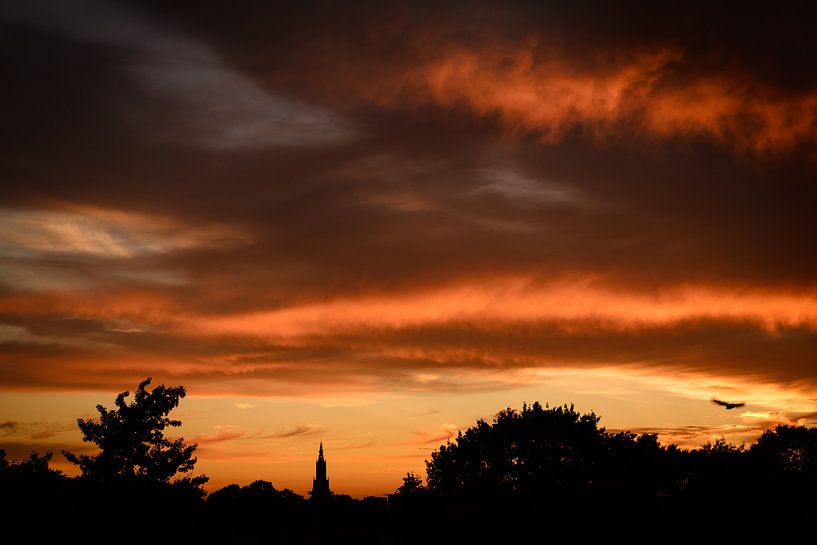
(729, 406)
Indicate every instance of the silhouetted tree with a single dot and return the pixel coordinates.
(412, 485)
(637, 466)
(30, 484)
(411, 492)
(716, 469)
(538, 449)
(785, 458)
(35, 466)
(256, 495)
(790, 450)
(36, 463)
(131, 440)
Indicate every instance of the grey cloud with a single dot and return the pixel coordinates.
(223, 108)
(528, 192)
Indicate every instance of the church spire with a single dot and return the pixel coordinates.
(320, 485)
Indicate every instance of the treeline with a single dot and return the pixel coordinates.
(538, 467)
(537, 452)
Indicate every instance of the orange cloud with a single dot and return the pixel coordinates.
(138, 305)
(409, 341)
(532, 90)
(515, 299)
(425, 438)
(219, 437)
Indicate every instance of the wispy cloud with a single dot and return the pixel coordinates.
(221, 107)
(219, 437)
(9, 427)
(105, 233)
(434, 437)
(306, 430)
(527, 192)
(33, 430)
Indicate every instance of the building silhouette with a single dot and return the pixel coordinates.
(320, 484)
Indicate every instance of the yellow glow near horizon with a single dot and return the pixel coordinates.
(370, 445)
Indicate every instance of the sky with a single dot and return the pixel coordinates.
(371, 224)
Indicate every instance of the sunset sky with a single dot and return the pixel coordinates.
(372, 223)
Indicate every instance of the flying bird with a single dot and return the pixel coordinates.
(729, 406)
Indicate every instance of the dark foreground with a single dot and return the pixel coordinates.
(533, 475)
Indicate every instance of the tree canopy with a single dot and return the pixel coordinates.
(541, 450)
(131, 440)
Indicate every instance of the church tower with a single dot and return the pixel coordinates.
(320, 485)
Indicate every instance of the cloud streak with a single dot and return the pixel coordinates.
(307, 430)
(520, 299)
(221, 107)
(533, 92)
(105, 233)
(9, 427)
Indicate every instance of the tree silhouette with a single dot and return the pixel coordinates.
(785, 459)
(528, 470)
(521, 452)
(33, 467)
(789, 450)
(412, 485)
(411, 492)
(131, 440)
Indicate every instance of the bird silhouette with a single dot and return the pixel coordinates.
(729, 406)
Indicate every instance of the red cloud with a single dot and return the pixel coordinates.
(533, 91)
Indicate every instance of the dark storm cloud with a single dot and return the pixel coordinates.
(165, 163)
